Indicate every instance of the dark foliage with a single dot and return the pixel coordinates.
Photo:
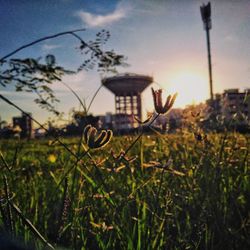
(37, 75)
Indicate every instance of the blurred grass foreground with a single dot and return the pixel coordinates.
(176, 191)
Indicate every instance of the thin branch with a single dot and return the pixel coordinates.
(74, 93)
(40, 40)
(98, 52)
(92, 99)
(140, 135)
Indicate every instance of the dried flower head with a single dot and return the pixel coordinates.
(159, 108)
(195, 114)
(122, 156)
(96, 140)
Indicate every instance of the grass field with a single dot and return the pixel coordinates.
(169, 192)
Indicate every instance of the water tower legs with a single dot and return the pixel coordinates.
(129, 105)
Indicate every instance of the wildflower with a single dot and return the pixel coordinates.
(52, 158)
(159, 108)
(96, 141)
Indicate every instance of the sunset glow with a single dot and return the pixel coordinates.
(150, 34)
(192, 88)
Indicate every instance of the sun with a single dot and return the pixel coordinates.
(192, 88)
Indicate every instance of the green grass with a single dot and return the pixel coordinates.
(171, 192)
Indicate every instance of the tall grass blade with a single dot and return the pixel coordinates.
(9, 213)
(30, 225)
(6, 165)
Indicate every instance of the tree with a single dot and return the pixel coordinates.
(37, 75)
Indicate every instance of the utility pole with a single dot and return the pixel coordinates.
(206, 18)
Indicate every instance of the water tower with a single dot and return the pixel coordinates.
(127, 89)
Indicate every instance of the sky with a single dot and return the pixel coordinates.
(164, 39)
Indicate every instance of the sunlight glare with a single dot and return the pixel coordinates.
(192, 88)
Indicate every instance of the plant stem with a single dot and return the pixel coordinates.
(30, 225)
(71, 32)
(9, 214)
(140, 135)
(94, 96)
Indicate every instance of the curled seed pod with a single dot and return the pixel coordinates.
(107, 139)
(96, 141)
(101, 137)
(91, 137)
(86, 132)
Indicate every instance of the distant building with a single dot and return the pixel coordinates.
(116, 121)
(106, 121)
(25, 124)
(168, 122)
(232, 108)
(235, 102)
(217, 103)
(123, 121)
(39, 133)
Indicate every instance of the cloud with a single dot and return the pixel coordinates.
(93, 20)
(49, 47)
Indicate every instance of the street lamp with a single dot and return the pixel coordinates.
(206, 18)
